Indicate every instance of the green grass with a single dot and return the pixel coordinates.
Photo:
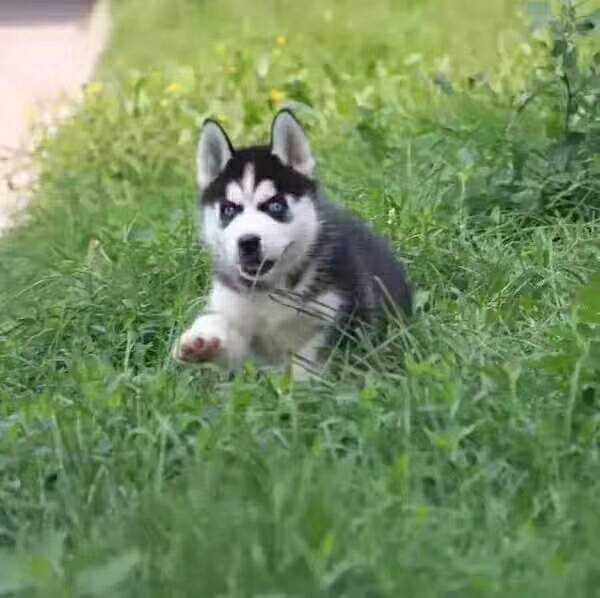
(460, 457)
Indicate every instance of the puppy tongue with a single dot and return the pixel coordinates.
(259, 268)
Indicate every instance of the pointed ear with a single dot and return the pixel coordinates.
(214, 151)
(290, 143)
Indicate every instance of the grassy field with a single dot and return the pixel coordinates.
(460, 457)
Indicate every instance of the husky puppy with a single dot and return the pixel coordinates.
(290, 268)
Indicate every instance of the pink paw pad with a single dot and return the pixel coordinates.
(201, 350)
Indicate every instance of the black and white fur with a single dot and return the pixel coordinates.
(289, 266)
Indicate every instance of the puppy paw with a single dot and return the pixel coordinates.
(198, 350)
(203, 342)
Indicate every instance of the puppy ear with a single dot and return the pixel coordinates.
(290, 143)
(214, 151)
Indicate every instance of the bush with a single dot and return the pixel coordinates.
(557, 169)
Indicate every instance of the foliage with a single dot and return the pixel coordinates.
(558, 171)
(460, 456)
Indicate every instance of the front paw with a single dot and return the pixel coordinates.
(198, 349)
(203, 342)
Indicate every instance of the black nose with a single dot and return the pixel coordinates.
(249, 245)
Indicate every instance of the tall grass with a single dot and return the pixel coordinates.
(458, 457)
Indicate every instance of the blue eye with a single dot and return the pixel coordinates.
(229, 210)
(277, 206)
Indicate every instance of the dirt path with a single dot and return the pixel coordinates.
(48, 51)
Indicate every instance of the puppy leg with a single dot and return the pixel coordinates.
(310, 360)
(211, 338)
(220, 335)
(308, 363)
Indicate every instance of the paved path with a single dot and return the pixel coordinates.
(48, 50)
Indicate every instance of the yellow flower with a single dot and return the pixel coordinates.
(95, 88)
(174, 88)
(526, 49)
(281, 41)
(277, 97)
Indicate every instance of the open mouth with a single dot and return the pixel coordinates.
(257, 269)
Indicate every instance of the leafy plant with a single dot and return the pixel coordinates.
(557, 168)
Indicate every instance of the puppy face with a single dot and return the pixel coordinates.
(258, 211)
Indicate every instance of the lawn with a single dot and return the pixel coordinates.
(457, 456)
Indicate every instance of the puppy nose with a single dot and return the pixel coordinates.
(249, 245)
